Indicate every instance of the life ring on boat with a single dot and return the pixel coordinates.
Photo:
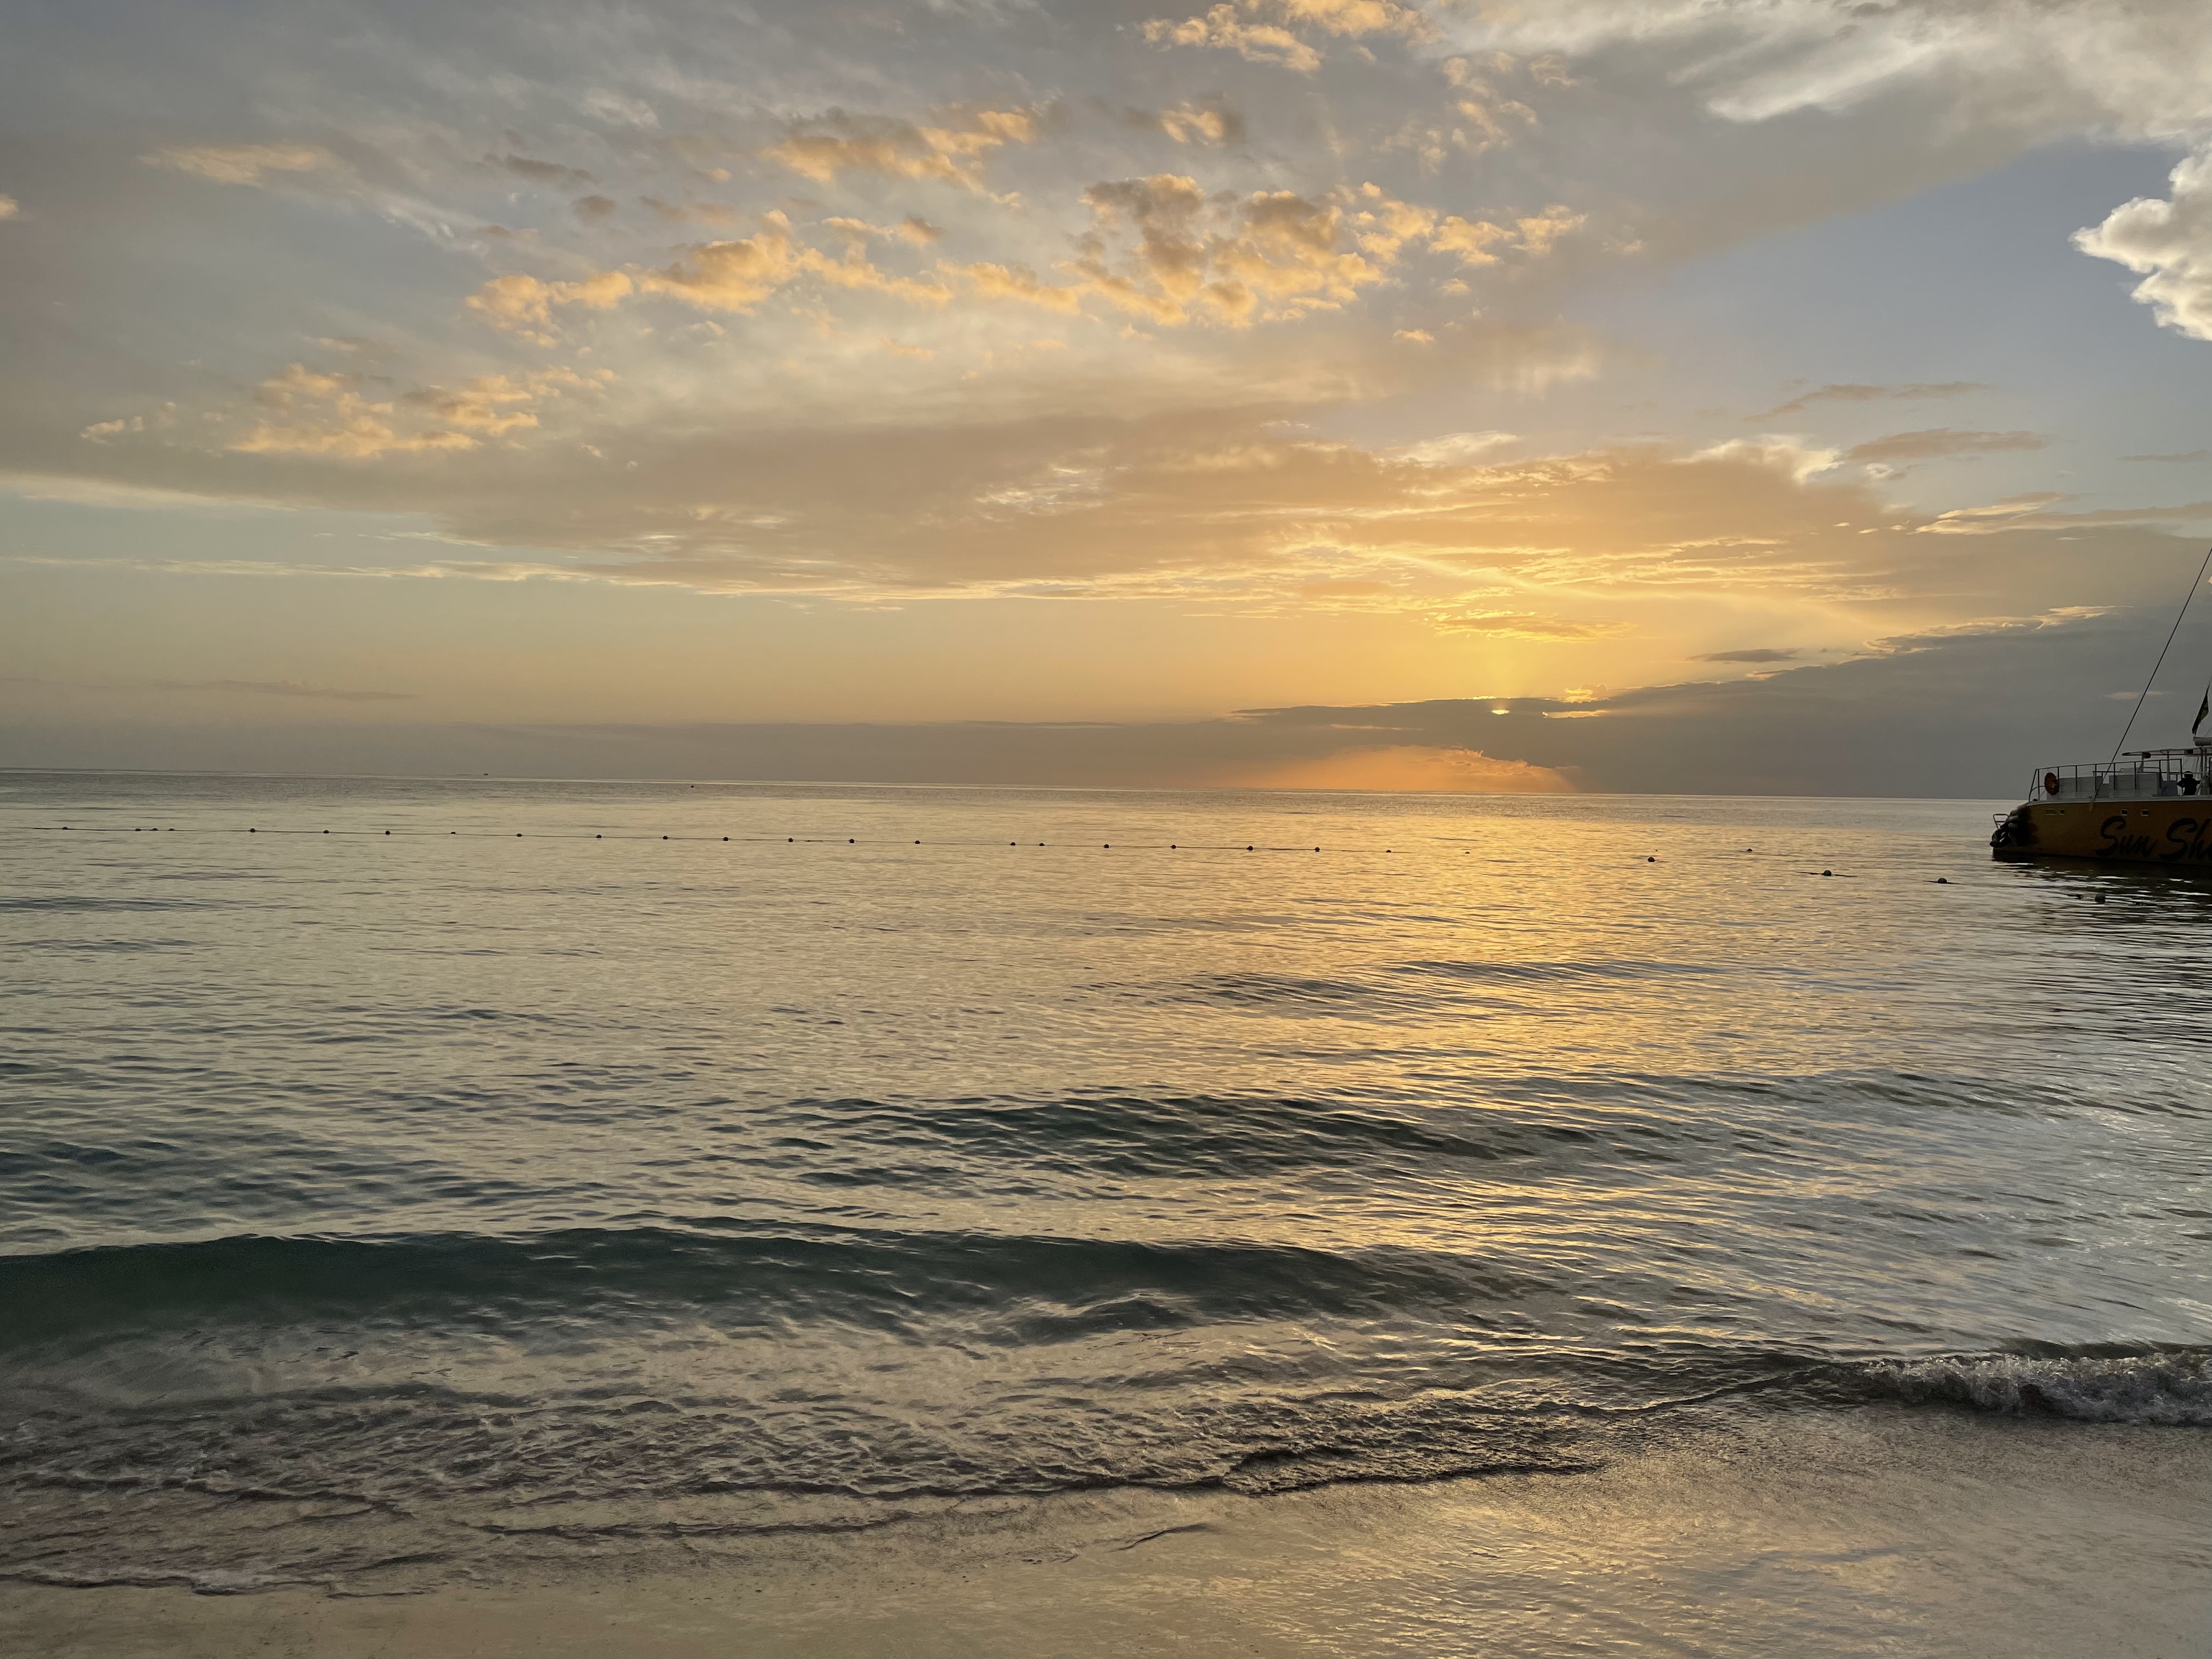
(2050, 783)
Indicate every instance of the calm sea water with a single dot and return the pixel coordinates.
(521, 1186)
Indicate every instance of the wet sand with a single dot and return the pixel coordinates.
(1882, 1531)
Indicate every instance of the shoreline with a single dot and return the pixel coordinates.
(1880, 1530)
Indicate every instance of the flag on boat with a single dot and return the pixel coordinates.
(2202, 709)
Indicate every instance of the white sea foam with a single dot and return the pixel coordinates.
(2173, 1388)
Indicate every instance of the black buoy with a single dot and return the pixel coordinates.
(917, 844)
(1249, 849)
(1648, 859)
(250, 832)
(2100, 898)
(387, 832)
(1827, 873)
(849, 841)
(664, 838)
(695, 787)
(1942, 881)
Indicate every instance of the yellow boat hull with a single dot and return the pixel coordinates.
(2174, 829)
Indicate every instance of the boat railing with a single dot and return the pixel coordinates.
(2138, 775)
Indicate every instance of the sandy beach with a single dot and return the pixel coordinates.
(1873, 1533)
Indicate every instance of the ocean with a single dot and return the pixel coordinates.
(412, 1187)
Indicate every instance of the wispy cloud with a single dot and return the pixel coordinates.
(242, 164)
(1846, 393)
(1942, 443)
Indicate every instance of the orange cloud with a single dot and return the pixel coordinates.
(1271, 42)
(821, 149)
(310, 412)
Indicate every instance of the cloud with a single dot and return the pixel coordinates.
(1796, 460)
(2168, 243)
(736, 275)
(310, 412)
(1865, 394)
(542, 173)
(1209, 511)
(1912, 719)
(1457, 448)
(526, 304)
(1165, 249)
(101, 432)
(993, 281)
(242, 164)
(9, 207)
(729, 276)
(1258, 43)
(2185, 456)
(913, 230)
(320, 414)
(1757, 655)
(1251, 340)
(1348, 17)
(283, 688)
(1416, 768)
(822, 147)
(1524, 625)
(1941, 443)
(2030, 513)
(1273, 43)
(1752, 61)
(1205, 121)
(704, 213)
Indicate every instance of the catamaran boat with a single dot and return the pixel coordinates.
(2142, 806)
(2148, 807)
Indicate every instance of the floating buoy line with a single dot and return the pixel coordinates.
(1637, 858)
(648, 835)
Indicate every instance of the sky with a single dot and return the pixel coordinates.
(1749, 396)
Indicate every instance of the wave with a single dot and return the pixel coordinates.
(1412, 987)
(74, 902)
(1173, 1136)
(245, 1490)
(1011, 1289)
(1552, 973)
(2162, 1385)
(1577, 1121)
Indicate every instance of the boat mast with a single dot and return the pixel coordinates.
(2195, 583)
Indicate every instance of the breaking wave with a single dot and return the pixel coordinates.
(2169, 1387)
